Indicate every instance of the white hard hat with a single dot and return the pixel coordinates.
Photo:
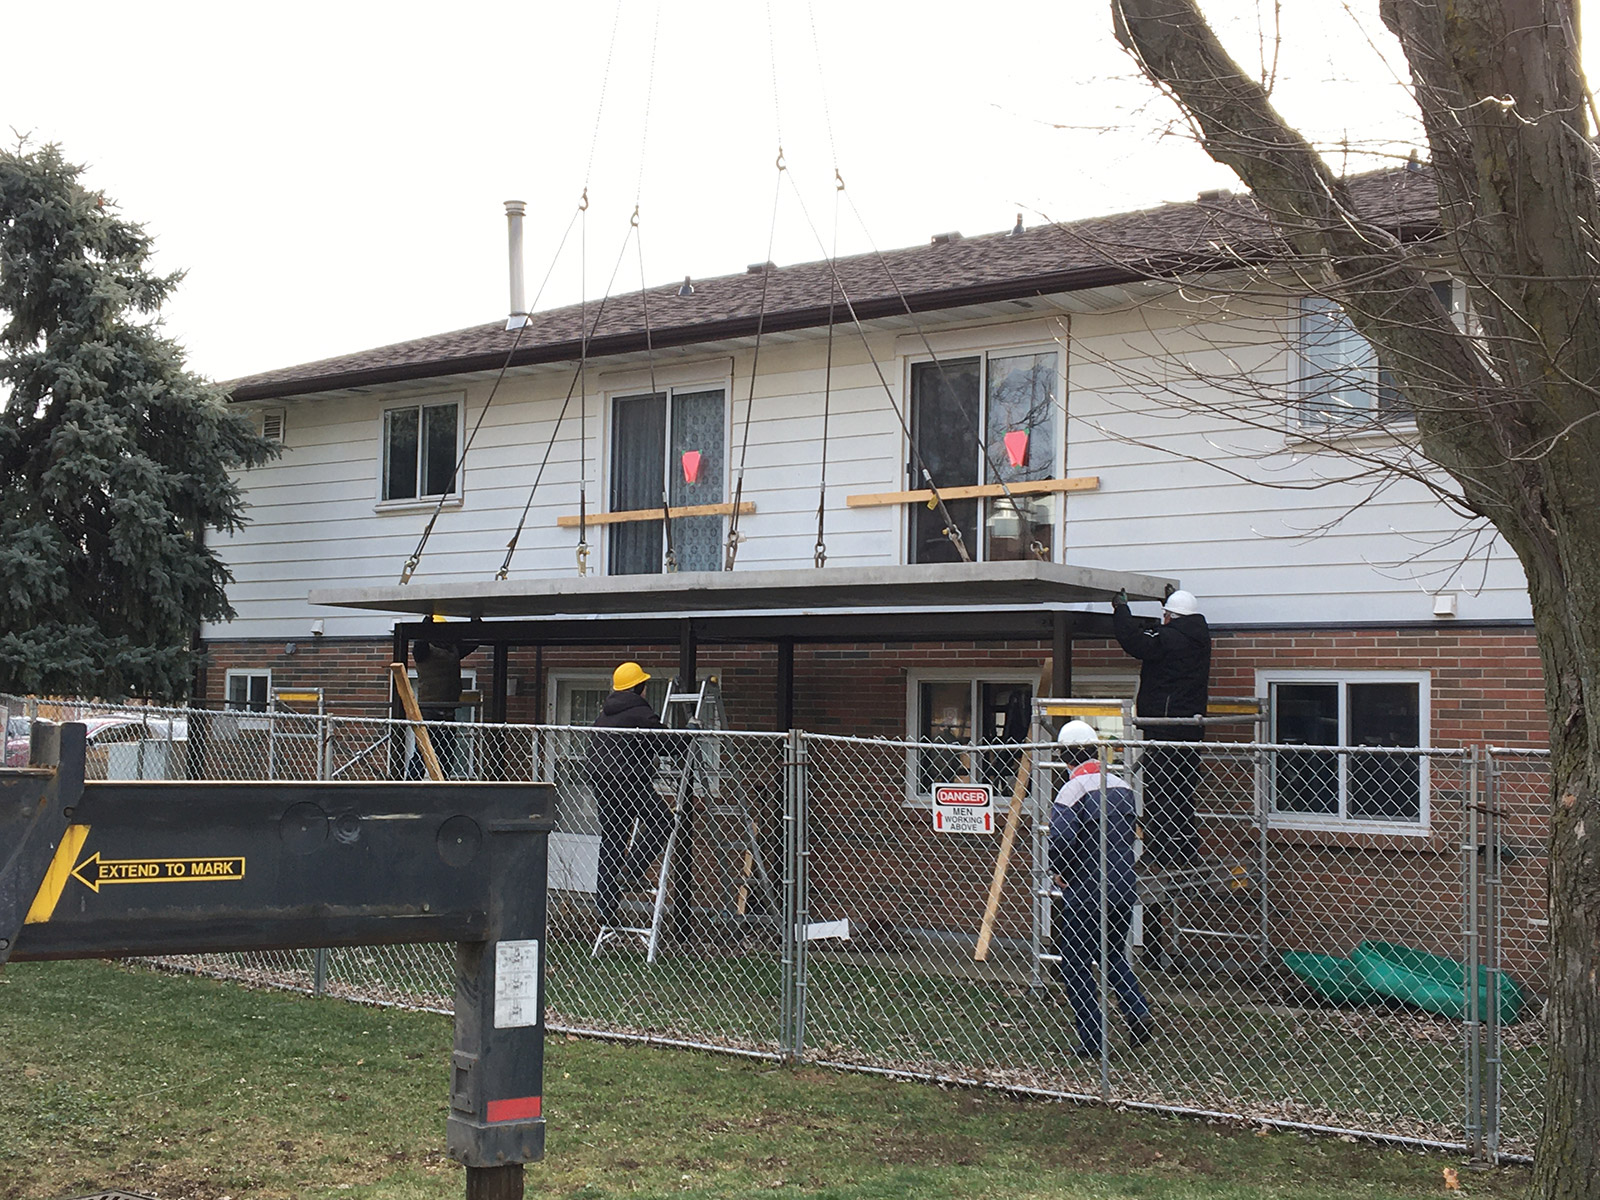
(1077, 733)
(1181, 604)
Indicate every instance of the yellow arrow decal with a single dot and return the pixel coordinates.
(94, 871)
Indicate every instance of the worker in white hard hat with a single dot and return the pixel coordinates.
(621, 765)
(1174, 674)
(1087, 797)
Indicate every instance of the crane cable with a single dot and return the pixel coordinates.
(586, 333)
(669, 558)
(951, 530)
(1036, 548)
(819, 553)
(734, 536)
(412, 563)
(731, 551)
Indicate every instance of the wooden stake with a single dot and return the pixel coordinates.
(408, 701)
(1013, 819)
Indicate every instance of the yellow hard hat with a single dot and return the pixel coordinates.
(628, 675)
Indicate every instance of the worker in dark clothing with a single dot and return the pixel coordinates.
(621, 766)
(1090, 894)
(1174, 672)
(439, 688)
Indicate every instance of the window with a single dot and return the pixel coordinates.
(1338, 382)
(675, 442)
(419, 451)
(1360, 709)
(249, 691)
(968, 714)
(1013, 398)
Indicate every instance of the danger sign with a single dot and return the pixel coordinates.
(963, 808)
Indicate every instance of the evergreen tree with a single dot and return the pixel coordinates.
(114, 458)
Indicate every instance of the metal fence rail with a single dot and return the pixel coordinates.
(857, 948)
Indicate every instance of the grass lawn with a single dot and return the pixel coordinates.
(188, 1087)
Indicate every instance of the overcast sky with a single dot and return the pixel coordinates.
(331, 175)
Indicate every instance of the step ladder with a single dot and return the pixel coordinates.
(699, 713)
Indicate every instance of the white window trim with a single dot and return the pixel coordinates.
(994, 344)
(689, 383)
(914, 682)
(1397, 428)
(245, 717)
(1321, 822)
(454, 499)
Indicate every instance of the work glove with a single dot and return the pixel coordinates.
(1120, 599)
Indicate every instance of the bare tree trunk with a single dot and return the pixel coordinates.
(1511, 413)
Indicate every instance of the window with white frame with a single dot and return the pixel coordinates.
(1371, 712)
(972, 715)
(669, 444)
(419, 451)
(1337, 380)
(1013, 398)
(249, 691)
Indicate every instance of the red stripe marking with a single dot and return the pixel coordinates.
(521, 1109)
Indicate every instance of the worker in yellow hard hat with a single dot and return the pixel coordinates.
(621, 766)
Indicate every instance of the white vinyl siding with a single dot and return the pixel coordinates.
(1175, 495)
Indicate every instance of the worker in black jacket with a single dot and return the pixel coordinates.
(622, 770)
(1174, 672)
(439, 688)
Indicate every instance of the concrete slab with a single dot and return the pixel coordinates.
(978, 586)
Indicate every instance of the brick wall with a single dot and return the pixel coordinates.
(1487, 685)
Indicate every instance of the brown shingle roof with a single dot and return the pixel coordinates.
(1043, 260)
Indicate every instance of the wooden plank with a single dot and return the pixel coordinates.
(408, 701)
(654, 514)
(1079, 483)
(1013, 819)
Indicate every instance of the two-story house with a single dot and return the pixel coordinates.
(1130, 401)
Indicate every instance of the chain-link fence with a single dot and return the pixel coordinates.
(1346, 938)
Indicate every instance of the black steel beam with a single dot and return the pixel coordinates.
(893, 628)
(159, 868)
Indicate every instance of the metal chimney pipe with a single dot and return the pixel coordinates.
(515, 210)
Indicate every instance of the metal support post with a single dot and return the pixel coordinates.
(497, 1066)
(1493, 934)
(796, 905)
(1043, 885)
(1105, 934)
(1472, 1048)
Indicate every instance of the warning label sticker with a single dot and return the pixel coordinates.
(516, 984)
(963, 808)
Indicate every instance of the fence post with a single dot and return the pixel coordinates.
(1471, 931)
(1494, 937)
(792, 1006)
(319, 957)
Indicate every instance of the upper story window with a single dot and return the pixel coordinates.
(1353, 709)
(673, 442)
(420, 451)
(1338, 382)
(1013, 398)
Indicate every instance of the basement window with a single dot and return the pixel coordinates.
(957, 721)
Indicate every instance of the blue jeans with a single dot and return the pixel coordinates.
(1079, 946)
